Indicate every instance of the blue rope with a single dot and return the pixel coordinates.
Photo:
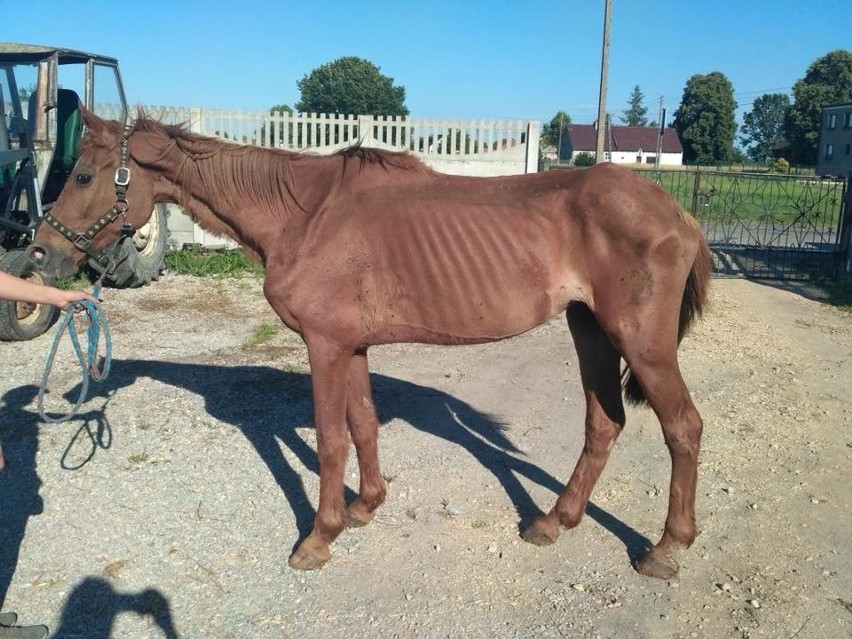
(97, 323)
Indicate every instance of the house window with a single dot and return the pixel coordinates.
(832, 121)
(829, 152)
(847, 120)
(848, 149)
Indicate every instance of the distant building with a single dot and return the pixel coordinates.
(834, 156)
(625, 144)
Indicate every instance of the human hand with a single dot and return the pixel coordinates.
(64, 299)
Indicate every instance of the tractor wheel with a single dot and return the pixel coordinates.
(22, 320)
(141, 256)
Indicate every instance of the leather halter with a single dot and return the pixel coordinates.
(83, 241)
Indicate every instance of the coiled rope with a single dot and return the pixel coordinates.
(97, 324)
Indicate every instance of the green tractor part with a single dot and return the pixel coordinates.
(41, 89)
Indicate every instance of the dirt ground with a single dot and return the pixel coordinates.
(169, 507)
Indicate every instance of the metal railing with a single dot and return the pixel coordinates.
(764, 225)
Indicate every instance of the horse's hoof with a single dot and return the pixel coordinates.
(355, 517)
(657, 563)
(541, 533)
(353, 521)
(305, 559)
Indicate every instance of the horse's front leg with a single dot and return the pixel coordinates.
(329, 372)
(364, 428)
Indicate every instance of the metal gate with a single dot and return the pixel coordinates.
(763, 225)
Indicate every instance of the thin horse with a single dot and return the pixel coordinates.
(369, 247)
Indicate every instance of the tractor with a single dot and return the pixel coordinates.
(41, 89)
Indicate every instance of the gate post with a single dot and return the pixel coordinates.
(365, 130)
(846, 228)
(533, 141)
(696, 190)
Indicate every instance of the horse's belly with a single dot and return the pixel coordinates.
(447, 318)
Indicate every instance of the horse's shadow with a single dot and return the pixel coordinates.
(270, 406)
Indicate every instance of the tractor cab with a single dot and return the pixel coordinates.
(41, 89)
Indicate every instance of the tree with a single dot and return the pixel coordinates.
(353, 86)
(705, 119)
(764, 125)
(637, 114)
(280, 108)
(553, 134)
(550, 132)
(827, 81)
(281, 141)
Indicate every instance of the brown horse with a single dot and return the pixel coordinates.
(368, 247)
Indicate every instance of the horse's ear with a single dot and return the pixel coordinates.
(94, 124)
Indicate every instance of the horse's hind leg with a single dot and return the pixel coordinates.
(599, 371)
(652, 357)
(364, 429)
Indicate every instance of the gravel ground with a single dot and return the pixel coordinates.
(169, 507)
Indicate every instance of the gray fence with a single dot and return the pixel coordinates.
(766, 226)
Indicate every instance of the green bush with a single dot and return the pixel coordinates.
(584, 159)
(779, 166)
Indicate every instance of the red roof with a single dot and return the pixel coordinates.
(623, 138)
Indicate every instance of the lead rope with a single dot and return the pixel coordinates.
(97, 323)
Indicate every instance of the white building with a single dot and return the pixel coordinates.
(627, 144)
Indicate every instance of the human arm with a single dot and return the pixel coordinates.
(19, 290)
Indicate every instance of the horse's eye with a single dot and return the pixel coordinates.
(83, 179)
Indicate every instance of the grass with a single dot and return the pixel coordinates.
(784, 198)
(189, 261)
(262, 334)
(138, 458)
(207, 263)
(79, 283)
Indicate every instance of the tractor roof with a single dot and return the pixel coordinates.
(10, 51)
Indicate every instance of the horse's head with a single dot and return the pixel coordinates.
(99, 202)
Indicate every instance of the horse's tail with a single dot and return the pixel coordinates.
(691, 306)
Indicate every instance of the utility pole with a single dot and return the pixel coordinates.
(559, 143)
(660, 130)
(599, 143)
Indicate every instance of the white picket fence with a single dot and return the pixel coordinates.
(460, 147)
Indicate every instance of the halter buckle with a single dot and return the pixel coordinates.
(122, 176)
(81, 241)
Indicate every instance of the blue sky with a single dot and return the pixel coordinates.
(461, 58)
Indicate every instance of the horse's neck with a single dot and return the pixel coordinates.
(252, 222)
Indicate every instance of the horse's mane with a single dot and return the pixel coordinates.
(201, 146)
(261, 174)
(386, 159)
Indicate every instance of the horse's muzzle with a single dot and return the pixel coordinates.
(52, 264)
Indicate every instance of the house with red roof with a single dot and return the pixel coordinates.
(626, 144)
